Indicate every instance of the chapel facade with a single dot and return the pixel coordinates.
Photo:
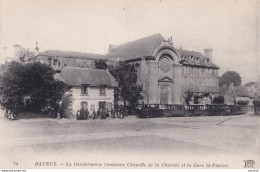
(167, 73)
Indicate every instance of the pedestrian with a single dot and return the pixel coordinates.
(99, 113)
(78, 115)
(84, 113)
(103, 113)
(113, 115)
(183, 102)
(94, 114)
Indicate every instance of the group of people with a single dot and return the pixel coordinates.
(102, 113)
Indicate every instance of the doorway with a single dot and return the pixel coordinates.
(164, 95)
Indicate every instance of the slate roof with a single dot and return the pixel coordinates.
(240, 91)
(201, 61)
(92, 77)
(144, 47)
(70, 54)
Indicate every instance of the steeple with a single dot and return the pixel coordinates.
(36, 50)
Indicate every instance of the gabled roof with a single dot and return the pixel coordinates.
(70, 54)
(79, 76)
(136, 49)
(240, 91)
(145, 47)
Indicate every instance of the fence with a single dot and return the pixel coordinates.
(156, 110)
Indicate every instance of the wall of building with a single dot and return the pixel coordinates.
(93, 97)
(200, 79)
(184, 78)
(152, 83)
(177, 86)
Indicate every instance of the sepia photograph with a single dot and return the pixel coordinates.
(130, 84)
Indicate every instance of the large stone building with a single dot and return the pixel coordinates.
(167, 73)
(57, 58)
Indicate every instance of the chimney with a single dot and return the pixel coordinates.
(36, 50)
(110, 46)
(208, 53)
(17, 51)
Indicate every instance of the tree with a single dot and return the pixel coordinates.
(29, 86)
(128, 89)
(228, 77)
(188, 97)
(101, 64)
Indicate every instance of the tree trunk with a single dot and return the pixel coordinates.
(124, 104)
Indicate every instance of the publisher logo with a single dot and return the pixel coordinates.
(249, 163)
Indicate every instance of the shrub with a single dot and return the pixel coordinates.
(65, 107)
(242, 102)
(218, 100)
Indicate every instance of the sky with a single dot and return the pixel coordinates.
(230, 27)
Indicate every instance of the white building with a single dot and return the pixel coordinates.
(93, 87)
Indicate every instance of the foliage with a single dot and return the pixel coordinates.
(128, 89)
(196, 99)
(218, 100)
(228, 77)
(29, 86)
(101, 64)
(242, 102)
(65, 107)
(206, 94)
(188, 96)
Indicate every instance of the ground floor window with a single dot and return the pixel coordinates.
(102, 104)
(84, 104)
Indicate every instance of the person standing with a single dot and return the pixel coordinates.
(84, 112)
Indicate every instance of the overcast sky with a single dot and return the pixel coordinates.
(230, 27)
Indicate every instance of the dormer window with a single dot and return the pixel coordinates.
(84, 89)
(183, 58)
(191, 59)
(197, 60)
(207, 61)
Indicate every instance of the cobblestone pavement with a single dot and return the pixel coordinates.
(208, 136)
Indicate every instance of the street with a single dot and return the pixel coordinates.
(226, 140)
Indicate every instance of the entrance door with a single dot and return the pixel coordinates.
(164, 95)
